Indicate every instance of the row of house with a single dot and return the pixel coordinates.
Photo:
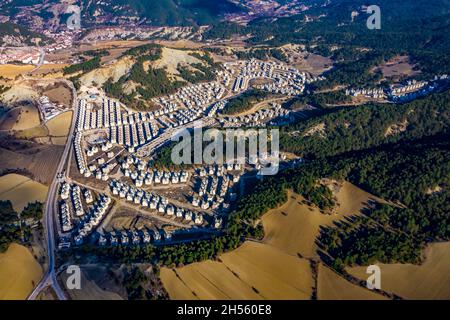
(154, 202)
(284, 79)
(375, 93)
(65, 216)
(219, 170)
(156, 177)
(92, 219)
(211, 193)
(134, 237)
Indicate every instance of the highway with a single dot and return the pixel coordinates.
(50, 214)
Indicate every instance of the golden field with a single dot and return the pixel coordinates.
(11, 71)
(294, 227)
(253, 271)
(27, 118)
(331, 286)
(19, 273)
(21, 190)
(277, 268)
(59, 126)
(431, 280)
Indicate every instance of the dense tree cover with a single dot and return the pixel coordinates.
(33, 211)
(165, 12)
(151, 51)
(244, 102)
(362, 127)
(9, 232)
(224, 30)
(96, 53)
(118, 254)
(11, 227)
(84, 67)
(417, 28)
(261, 54)
(152, 82)
(393, 233)
(163, 158)
(196, 73)
(322, 100)
(363, 242)
(134, 282)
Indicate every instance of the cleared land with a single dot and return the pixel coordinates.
(89, 290)
(19, 91)
(253, 271)
(331, 286)
(114, 70)
(19, 273)
(398, 67)
(9, 118)
(60, 94)
(39, 160)
(431, 280)
(172, 58)
(21, 190)
(312, 63)
(59, 126)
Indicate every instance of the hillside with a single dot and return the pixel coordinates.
(163, 12)
(15, 35)
(51, 14)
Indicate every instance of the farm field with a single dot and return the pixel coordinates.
(19, 273)
(431, 280)
(253, 271)
(40, 161)
(279, 267)
(60, 125)
(330, 286)
(21, 190)
(11, 71)
(28, 118)
(50, 70)
(294, 227)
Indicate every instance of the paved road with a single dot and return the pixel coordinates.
(40, 61)
(50, 214)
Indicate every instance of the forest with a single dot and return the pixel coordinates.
(415, 28)
(13, 229)
(356, 128)
(84, 67)
(244, 102)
